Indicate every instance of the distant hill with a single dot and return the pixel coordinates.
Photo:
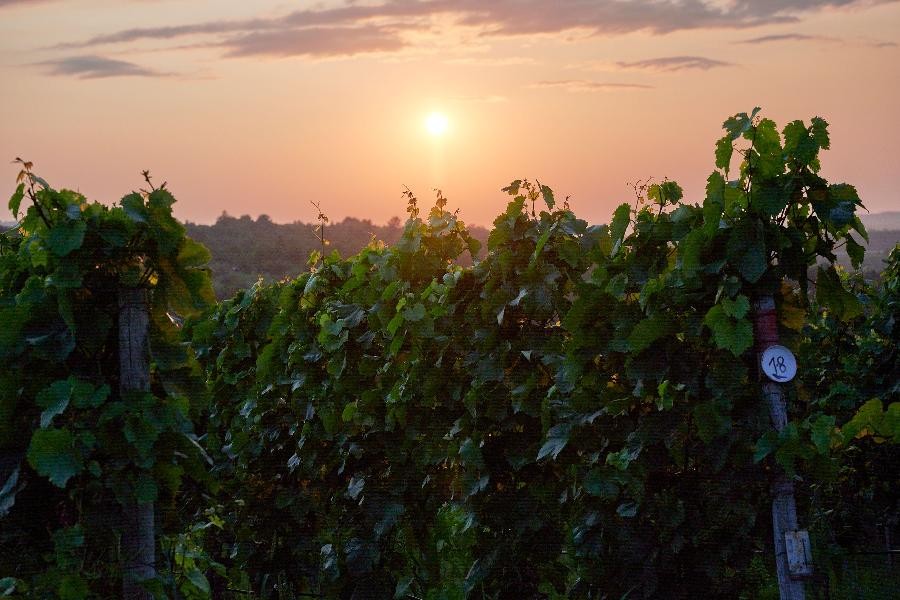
(880, 244)
(882, 221)
(244, 250)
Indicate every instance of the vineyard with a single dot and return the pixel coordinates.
(578, 414)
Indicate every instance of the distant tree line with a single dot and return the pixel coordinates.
(244, 250)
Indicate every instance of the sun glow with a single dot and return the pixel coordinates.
(437, 123)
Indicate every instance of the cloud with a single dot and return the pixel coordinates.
(786, 37)
(5, 3)
(318, 42)
(487, 61)
(674, 63)
(585, 85)
(381, 27)
(97, 67)
(171, 32)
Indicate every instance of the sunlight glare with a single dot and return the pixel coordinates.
(436, 123)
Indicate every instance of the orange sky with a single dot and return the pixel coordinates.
(260, 107)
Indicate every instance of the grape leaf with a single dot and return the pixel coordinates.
(52, 454)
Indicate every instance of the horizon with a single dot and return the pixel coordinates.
(259, 108)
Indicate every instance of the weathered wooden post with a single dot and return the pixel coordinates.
(138, 541)
(784, 506)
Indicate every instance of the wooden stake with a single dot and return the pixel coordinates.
(138, 540)
(784, 506)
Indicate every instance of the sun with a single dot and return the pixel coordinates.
(436, 123)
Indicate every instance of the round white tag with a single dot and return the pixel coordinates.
(778, 363)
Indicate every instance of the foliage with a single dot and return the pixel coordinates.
(75, 447)
(583, 397)
(576, 415)
(852, 391)
(281, 250)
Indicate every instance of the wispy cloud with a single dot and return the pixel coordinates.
(586, 85)
(318, 42)
(487, 61)
(97, 67)
(356, 28)
(787, 37)
(5, 3)
(674, 63)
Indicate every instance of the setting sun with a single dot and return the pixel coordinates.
(436, 123)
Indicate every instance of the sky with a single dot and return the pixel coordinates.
(264, 107)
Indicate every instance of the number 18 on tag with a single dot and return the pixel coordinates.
(779, 364)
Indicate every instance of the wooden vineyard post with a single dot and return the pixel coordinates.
(784, 506)
(138, 540)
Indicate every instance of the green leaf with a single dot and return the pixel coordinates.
(66, 236)
(415, 312)
(160, 199)
(765, 446)
(864, 422)
(395, 324)
(539, 246)
(624, 457)
(16, 199)
(667, 192)
(748, 253)
(735, 335)
(841, 205)
(711, 423)
(735, 198)
(8, 491)
(821, 431)
(8, 586)
(349, 412)
(649, 330)
(736, 308)
(471, 454)
(769, 198)
(547, 194)
(52, 454)
(690, 250)
(85, 395)
(192, 254)
(857, 225)
(724, 150)
(616, 285)
(714, 203)
(855, 251)
(798, 144)
(790, 448)
(513, 188)
(134, 207)
(198, 580)
(627, 509)
(54, 400)
(597, 484)
(819, 132)
(831, 294)
(618, 226)
(767, 143)
(664, 399)
(73, 587)
(557, 438)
